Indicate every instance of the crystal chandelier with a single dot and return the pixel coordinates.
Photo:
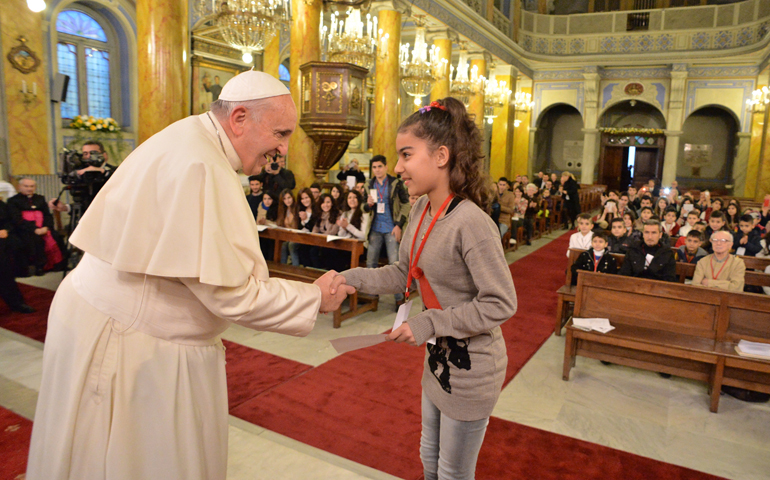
(466, 82)
(496, 95)
(522, 104)
(425, 68)
(348, 41)
(759, 100)
(249, 25)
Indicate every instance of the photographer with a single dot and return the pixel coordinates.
(351, 170)
(275, 178)
(87, 176)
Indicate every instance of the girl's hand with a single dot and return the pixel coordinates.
(403, 334)
(342, 222)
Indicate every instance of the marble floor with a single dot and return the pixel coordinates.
(631, 410)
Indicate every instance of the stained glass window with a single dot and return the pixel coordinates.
(98, 82)
(283, 73)
(81, 25)
(68, 65)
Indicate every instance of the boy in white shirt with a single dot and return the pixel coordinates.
(582, 238)
(692, 218)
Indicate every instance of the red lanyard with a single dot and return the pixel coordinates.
(412, 259)
(383, 196)
(597, 260)
(714, 277)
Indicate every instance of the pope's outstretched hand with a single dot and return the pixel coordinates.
(333, 291)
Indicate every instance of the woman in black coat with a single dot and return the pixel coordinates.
(569, 192)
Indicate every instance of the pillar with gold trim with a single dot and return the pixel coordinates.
(164, 83)
(441, 87)
(271, 57)
(501, 152)
(476, 106)
(523, 139)
(387, 88)
(305, 47)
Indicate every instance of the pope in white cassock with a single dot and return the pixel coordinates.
(134, 380)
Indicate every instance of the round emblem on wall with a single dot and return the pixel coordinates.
(634, 89)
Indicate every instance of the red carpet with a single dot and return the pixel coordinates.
(15, 431)
(32, 325)
(365, 405)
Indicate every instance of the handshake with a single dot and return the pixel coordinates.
(333, 291)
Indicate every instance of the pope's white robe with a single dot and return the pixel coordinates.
(134, 380)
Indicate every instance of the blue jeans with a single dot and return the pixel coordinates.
(376, 241)
(503, 229)
(449, 448)
(290, 249)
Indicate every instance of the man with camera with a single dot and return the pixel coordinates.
(88, 174)
(351, 170)
(275, 177)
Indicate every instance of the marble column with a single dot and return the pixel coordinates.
(441, 88)
(755, 146)
(501, 152)
(674, 122)
(763, 172)
(523, 141)
(476, 106)
(741, 164)
(271, 57)
(671, 156)
(305, 47)
(387, 89)
(590, 132)
(163, 64)
(27, 116)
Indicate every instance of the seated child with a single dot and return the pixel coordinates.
(582, 238)
(595, 259)
(669, 222)
(644, 214)
(717, 222)
(619, 240)
(691, 252)
(692, 218)
(748, 239)
(700, 226)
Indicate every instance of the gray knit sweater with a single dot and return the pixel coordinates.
(464, 262)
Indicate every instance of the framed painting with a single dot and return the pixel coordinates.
(208, 78)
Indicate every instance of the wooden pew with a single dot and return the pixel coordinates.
(358, 303)
(566, 293)
(667, 327)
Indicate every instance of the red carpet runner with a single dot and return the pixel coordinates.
(14, 444)
(365, 405)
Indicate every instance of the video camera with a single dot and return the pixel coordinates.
(71, 161)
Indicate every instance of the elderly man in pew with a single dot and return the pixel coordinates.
(652, 258)
(720, 269)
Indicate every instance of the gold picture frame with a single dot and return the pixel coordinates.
(208, 78)
(22, 57)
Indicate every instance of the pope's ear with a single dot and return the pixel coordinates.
(238, 118)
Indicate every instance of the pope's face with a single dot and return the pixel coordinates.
(267, 135)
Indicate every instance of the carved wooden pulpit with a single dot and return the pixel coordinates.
(332, 110)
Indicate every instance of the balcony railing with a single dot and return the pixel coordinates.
(713, 27)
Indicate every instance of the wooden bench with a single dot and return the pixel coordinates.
(672, 328)
(566, 293)
(357, 303)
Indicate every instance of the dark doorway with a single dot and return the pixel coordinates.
(622, 166)
(647, 165)
(613, 168)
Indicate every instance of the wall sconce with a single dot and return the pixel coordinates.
(27, 96)
(382, 48)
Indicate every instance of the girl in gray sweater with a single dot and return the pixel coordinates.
(451, 252)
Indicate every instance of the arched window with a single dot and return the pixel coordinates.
(84, 52)
(283, 73)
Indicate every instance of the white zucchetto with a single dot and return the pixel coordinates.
(252, 85)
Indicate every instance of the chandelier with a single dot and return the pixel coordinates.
(496, 95)
(346, 41)
(466, 82)
(759, 100)
(425, 68)
(249, 25)
(522, 104)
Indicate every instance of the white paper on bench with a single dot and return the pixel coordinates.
(348, 344)
(331, 238)
(261, 228)
(755, 348)
(597, 324)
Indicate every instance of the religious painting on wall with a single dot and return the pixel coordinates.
(208, 78)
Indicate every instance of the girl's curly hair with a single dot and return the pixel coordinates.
(446, 122)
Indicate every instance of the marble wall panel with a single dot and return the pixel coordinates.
(28, 117)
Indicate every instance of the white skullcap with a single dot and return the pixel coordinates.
(252, 85)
